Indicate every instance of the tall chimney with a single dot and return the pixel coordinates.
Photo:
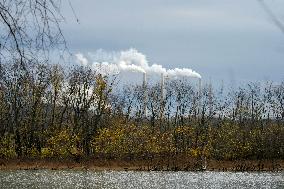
(199, 86)
(199, 95)
(210, 98)
(162, 87)
(162, 95)
(145, 94)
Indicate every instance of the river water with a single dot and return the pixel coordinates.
(128, 179)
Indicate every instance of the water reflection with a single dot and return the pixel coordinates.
(114, 179)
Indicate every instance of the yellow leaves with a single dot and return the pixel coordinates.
(109, 141)
(62, 144)
(101, 85)
(46, 152)
(132, 139)
(7, 147)
(227, 141)
(194, 152)
(179, 130)
(32, 152)
(184, 130)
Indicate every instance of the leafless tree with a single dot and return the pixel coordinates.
(29, 30)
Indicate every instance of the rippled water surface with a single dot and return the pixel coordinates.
(117, 179)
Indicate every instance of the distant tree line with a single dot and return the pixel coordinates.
(49, 111)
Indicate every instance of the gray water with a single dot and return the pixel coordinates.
(124, 180)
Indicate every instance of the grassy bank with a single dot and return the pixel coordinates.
(156, 164)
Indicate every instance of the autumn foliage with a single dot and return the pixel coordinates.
(50, 112)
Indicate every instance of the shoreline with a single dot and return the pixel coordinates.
(136, 165)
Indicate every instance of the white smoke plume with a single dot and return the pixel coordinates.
(140, 60)
(105, 68)
(184, 72)
(130, 60)
(81, 59)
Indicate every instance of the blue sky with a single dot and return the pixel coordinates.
(224, 40)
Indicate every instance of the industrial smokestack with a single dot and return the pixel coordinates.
(144, 80)
(162, 95)
(210, 99)
(145, 94)
(162, 87)
(199, 86)
(199, 95)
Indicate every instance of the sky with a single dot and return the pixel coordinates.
(226, 41)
